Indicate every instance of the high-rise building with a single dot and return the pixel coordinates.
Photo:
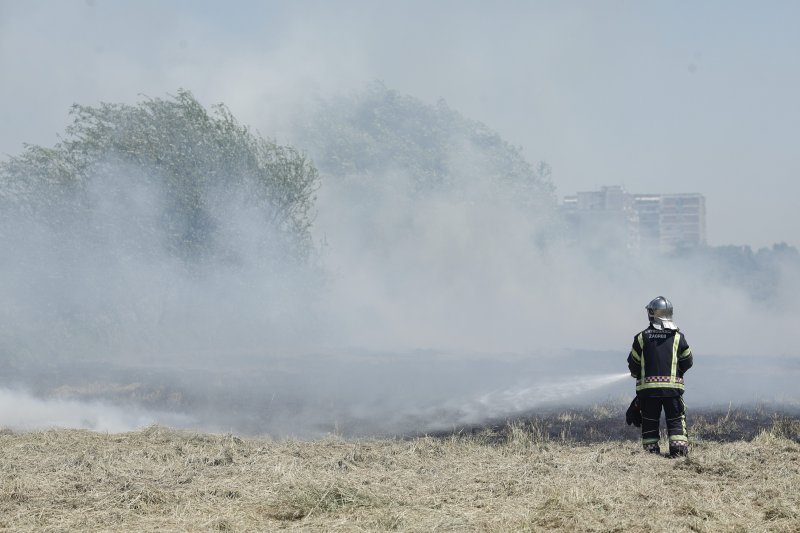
(683, 221)
(599, 219)
(638, 221)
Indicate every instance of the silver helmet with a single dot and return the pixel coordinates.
(659, 311)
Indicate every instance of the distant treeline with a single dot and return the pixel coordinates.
(763, 274)
(197, 159)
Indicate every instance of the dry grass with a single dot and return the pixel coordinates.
(161, 479)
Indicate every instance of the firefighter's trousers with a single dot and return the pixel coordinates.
(675, 413)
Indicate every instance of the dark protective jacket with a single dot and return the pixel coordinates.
(658, 359)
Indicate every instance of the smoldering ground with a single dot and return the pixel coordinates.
(418, 311)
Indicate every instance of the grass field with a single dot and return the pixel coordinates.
(511, 478)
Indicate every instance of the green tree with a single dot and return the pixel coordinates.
(194, 157)
(367, 134)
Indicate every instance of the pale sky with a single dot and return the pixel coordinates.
(659, 97)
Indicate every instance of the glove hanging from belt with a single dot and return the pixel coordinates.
(634, 413)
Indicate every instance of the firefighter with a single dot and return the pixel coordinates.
(659, 357)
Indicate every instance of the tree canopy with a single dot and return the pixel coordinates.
(194, 158)
(378, 130)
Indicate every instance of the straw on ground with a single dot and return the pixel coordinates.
(162, 479)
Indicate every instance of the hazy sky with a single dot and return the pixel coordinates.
(659, 97)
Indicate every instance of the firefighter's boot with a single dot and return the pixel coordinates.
(651, 447)
(678, 449)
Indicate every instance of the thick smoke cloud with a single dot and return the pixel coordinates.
(433, 299)
(473, 265)
(418, 310)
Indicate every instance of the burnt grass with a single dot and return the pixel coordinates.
(606, 423)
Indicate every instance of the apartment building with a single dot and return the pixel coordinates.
(683, 221)
(612, 216)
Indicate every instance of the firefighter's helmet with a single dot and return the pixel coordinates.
(659, 311)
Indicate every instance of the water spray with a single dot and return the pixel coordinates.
(507, 402)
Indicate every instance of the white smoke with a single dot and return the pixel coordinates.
(22, 411)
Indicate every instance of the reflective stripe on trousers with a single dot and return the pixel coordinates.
(675, 414)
